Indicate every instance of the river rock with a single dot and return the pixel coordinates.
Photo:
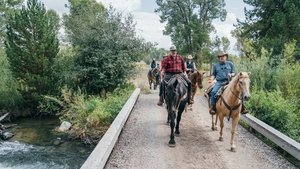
(65, 126)
(5, 135)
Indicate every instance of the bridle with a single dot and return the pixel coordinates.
(230, 108)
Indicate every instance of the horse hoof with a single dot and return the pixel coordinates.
(214, 128)
(172, 145)
(221, 139)
(177, 134)
(233, 149)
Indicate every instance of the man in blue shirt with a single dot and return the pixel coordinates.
(222, 72)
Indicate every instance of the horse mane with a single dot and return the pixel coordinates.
(237, 77)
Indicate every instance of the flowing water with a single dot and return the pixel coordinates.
(33, 147)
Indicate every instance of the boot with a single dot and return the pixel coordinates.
(160, 102)
(212, 109)
(189, 95)
(244, 110)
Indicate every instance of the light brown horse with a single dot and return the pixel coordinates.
(230, 103)
(196, 79)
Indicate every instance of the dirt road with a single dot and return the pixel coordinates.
(143, 142)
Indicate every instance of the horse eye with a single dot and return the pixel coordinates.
(241, 82)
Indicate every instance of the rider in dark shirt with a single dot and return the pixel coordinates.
(190, 65)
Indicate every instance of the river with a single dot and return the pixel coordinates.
(33, 147)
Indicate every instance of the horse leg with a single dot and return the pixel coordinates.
(233, 133)
(180, 110)
(221, 118)
(172, 125)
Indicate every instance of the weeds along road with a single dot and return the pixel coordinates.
(143, 141)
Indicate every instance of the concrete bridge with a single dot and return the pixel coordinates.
(139, 135)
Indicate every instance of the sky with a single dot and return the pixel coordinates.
(148, 25)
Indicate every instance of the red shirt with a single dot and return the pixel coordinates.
(173, 64)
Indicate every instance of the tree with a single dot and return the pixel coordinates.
(31, 47)
(6, 8)
(189, 22)
(225, 43)
(106, 45)
(271, 24)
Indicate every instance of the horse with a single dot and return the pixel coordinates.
(176, 101)
(154, 77)
(196, 79)
(230, 104)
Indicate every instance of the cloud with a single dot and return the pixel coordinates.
(149, 27)
(122, 5)
(225, 28)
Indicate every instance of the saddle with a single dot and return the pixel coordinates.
(174, 77)
(219, 92)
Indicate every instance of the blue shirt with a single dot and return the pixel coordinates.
(221, 70)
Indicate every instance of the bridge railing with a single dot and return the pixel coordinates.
(283, 141)
(101, 153)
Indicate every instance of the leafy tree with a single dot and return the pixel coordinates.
(31, 47)
(6, 7)
(106, 44)
(189, 22)
(270, 24)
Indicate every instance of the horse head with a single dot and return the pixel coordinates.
(200, 77)
(243, 85)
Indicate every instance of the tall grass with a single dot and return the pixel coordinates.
(90, 115)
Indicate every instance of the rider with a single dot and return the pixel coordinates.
(171, 65)
(190, 64)
(222, 73)
(153, 66)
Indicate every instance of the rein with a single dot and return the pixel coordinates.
(231, 109)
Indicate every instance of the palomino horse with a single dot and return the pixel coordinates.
(154, 77)
(176, 100)
(196, 79)
(230, 103)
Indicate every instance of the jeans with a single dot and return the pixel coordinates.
(214, 91)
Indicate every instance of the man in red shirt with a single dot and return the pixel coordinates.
(171, 65)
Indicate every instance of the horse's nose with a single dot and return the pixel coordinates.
(246, 97)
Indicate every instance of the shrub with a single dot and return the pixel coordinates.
(276, 111)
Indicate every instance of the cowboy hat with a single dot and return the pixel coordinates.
(190, 57)
(172, 48)
(222, 54)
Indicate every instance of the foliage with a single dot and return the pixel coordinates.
(189, 22)
(275, 89)
(275, 110)
(271, 24)
(9, 96)
(6, 8)
(106, 43)
(31, 47)
(88, 114)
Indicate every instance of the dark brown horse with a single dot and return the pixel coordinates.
(176, 101)
(196, 79)
(154, 78)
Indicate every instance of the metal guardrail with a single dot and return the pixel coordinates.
(100, 154)
(283, 141)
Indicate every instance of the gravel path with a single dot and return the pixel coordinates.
(143, 142)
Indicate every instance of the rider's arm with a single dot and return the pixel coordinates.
(194, 66)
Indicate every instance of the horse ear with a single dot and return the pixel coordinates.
(241, 74)
(175, 83)
(249, 73)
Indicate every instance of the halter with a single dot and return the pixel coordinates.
(231, 109)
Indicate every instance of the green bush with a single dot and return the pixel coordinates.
(275, 110)
(89, 115)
